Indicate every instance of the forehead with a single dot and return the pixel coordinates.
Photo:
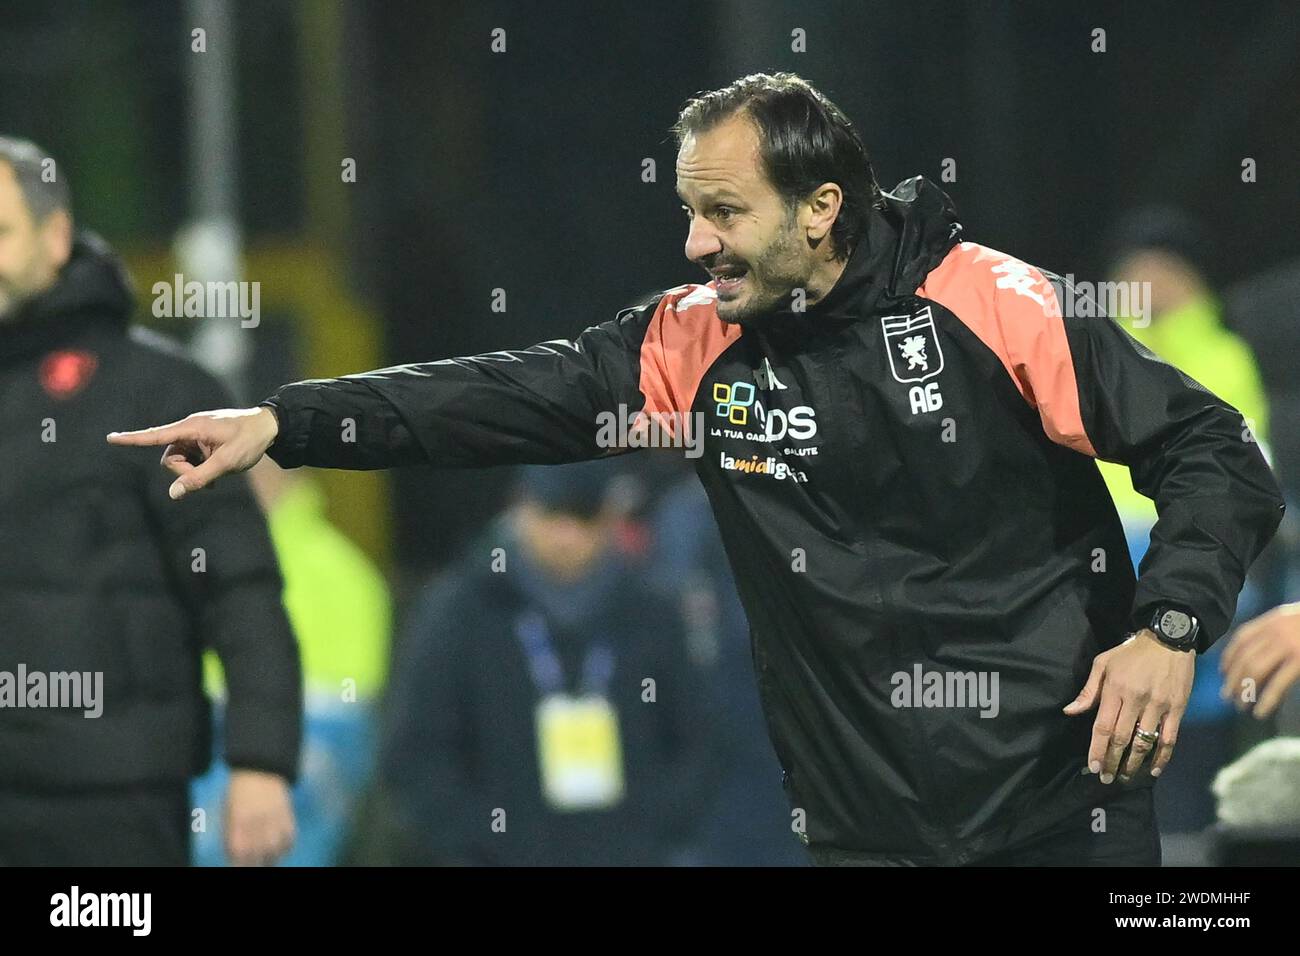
(723, 158)
(8, 180)
(11, 195)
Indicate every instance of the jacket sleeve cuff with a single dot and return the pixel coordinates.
(264, 739)
(290, 445)
(1144, 610)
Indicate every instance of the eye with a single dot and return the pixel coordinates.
(686, 209)
(723, 212)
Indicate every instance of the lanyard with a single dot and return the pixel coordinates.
(544, 664)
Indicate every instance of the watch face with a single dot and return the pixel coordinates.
(1175, 625)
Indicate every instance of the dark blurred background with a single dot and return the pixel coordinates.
(522, 169)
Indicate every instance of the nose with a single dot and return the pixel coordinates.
(701, 240)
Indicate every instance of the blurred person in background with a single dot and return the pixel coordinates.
(749, 822)
(1258, 795)
(1173, 257)
(1258, 822)
(544, 708)
(1265, 651)
(1265, 310)
(96, 579)
(339, 605)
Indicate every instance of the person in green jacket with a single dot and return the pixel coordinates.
(338, 601)
(1182, 323)
(340, 608)
(1166, 255)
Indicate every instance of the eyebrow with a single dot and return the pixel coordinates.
(722, 195)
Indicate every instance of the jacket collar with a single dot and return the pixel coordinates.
(903, 242)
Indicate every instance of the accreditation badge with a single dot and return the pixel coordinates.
(579, 752)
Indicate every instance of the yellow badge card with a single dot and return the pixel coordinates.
(579, 752)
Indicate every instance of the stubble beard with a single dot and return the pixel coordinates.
(782, 269)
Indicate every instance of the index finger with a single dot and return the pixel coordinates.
(158, 435)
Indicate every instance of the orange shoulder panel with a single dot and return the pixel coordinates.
(1015, 312)
(685, 337)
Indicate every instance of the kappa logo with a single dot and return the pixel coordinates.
(915, 355)
(1019, 278)
(766, 378)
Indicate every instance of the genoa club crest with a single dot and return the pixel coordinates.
(913, 346)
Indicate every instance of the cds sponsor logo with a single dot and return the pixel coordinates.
(738, 404)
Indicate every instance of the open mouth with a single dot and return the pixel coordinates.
(727, 281)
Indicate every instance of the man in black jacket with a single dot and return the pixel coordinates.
(106, 599)
(897, 432)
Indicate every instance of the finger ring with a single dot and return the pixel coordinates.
(1150, 736)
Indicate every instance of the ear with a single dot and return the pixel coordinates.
(824, 206)
(56, 236)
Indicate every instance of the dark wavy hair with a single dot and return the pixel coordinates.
(805, 140)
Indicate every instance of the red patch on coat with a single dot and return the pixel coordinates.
(65, 373)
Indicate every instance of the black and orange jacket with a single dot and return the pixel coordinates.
(903, 474)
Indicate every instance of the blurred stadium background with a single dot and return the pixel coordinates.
(522, 170)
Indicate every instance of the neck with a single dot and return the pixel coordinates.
(830, 274)
(824, 276)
